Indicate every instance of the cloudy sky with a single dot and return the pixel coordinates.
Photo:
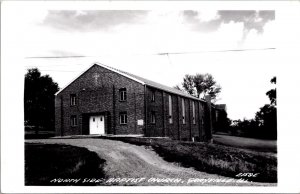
(198, 41)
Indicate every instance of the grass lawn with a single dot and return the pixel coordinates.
(31, 134)
(247, 143)
(212, 158)
(45, 162)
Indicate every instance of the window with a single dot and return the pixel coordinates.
(183, 111)
(123, 117)
(170, 110)
(73, 120)
(153, 117)
(73, 99)
(123, 94)
(194, 115)
(152, 95)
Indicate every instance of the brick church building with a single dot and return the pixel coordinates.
(104, 100)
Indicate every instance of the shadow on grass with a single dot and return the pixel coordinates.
(212, 158)
(258, 145)
(45, 164)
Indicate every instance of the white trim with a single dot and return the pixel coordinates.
(104, 66)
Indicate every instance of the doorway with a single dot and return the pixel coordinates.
(97, 125)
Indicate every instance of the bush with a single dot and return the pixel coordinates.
(44, 162)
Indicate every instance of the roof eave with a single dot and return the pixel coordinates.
(191, 97)
(118, 72)
(74, 79)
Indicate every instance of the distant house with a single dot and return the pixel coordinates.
(105, 100)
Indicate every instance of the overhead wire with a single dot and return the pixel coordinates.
(167, 54)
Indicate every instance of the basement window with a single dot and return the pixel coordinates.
(123, 94)
(73, 99)
(123, 118)
(153, 117)
(73, 120)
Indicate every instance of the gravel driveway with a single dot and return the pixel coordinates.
(142, 166)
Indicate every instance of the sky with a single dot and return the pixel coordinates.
(136, 41)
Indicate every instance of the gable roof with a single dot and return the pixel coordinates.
(139, 80)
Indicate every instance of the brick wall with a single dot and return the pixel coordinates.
(177, 129)
(154, 129)
(97, 92)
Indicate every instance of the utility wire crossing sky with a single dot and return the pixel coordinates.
(235, 46)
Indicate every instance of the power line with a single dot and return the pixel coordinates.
(57, 70)
(232, 50)
(32, 66)
(166, 53)
(50, 57)
(74, 71)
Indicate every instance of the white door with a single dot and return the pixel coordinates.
(97, 124)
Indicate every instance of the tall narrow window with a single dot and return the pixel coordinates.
(153, 95)
(183, 111)
(170, 110)
(72, 99)
(73, 120)
(194, 115)
(123, 94)
(123, 118)
(153, 119)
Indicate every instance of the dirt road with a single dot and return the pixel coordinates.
(125, 160)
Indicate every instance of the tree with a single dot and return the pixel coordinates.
(267, 120)
(267, 115)
(188, 84)
(264, 125)
(200, 85)
(39, 100)
(272, 93)
(245, 127)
